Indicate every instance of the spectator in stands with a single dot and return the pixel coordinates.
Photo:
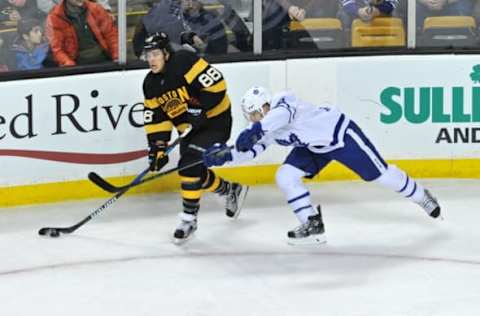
(81, 32)
(426, 8)
(365, 10)
(276, 15)
(29, 47)
(3, 57)
(206, 25)
(46, 5)
(14, 10)
(317, 9)
(164, 16)
(233, 21)
(189, 22)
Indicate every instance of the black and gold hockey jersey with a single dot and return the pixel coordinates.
(187, 84)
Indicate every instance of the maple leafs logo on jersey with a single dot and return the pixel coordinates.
(292, 140)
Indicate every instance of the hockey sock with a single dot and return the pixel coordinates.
(289, 180)
(191, 188)
(215, 184)
(397, 180)
(191, 207)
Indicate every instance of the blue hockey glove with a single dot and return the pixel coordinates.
(156, 156)
(249, 137)
(217, 155)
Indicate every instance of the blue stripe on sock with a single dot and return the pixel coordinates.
(405, 186)
(301, 209)
(414, 189)
(299, 197)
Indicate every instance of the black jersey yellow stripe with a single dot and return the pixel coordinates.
(196, 69)
(220, 108)
(165, 126)
(151, 103)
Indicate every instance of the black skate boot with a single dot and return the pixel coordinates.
(185, 229)
(430, 205)
(234, 200)
(312, 232)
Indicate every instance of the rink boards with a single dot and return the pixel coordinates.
(422, 113)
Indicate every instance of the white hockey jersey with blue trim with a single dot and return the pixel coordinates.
(293, 122)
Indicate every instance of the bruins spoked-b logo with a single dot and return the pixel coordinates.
(174, 102)
(174, 107)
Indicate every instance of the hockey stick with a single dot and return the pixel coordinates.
(120, 188)
(107, 186)
(55, 231)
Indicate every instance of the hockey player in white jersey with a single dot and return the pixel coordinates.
(318, 134)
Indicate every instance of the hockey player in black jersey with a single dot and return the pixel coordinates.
(182, 89)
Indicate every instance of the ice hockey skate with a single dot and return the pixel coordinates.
(430, 205)
(185, 229)
(235, 198)
(310, 233)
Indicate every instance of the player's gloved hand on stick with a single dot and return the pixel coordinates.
(156, 156)
(249, 137)
(217, 155)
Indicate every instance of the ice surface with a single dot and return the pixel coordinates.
(384, 256)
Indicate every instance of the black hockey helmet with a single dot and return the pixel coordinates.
(157, 40)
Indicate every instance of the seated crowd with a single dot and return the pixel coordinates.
(52, 33)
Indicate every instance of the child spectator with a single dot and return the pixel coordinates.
(29, 47)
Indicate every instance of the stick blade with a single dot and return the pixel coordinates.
(102, 183)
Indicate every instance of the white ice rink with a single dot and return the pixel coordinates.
(384, 256)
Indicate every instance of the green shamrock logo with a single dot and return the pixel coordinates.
(475, 75)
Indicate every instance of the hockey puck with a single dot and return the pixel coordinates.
(54, 233)
(51, 232)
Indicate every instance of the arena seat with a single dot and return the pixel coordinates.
(448, 31)
(382, 31)
(315, 33)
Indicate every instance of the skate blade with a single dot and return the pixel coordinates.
(242, 198)
(307, 241)
(181, 241)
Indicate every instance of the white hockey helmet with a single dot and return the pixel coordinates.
(254, 99)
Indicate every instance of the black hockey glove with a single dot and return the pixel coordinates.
(156, 156)
(187, 38)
